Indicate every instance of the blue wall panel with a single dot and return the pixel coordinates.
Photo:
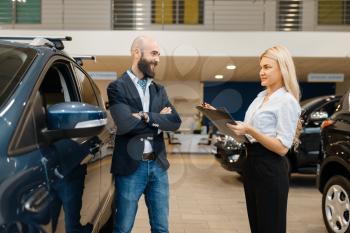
(236, 96)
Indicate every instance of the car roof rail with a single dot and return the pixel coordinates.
(80, 59)
(55, 42)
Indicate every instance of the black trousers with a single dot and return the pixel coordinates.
(266, 186)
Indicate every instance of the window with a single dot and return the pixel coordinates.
(289, 15)
(177, 12)
(334, 12)
(123, 14)
(24, 12)
(6, 11)
(86, 89)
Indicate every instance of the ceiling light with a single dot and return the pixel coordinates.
(231, 67)
(219, 76)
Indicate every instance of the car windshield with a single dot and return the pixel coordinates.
(309, 102)
(14, 61)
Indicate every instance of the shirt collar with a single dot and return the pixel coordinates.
(134, 78)
(276, 94)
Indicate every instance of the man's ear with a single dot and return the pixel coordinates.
(137, 52)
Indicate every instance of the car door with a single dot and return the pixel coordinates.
(73, 174)
(22, 179)
(310, 137)
(90, 94)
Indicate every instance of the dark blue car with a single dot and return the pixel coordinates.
(54, 146)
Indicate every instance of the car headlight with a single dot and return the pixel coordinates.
(233, 158)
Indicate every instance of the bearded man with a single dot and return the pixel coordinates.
(141, 111)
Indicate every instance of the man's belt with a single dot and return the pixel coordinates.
(148, 156)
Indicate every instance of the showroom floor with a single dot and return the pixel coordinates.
(208, 199)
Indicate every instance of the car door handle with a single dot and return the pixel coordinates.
(37, 201)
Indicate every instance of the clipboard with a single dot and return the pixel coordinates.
(220, 117)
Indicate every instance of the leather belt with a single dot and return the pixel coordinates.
(149, 156)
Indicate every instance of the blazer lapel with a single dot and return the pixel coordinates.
(152, 94)
(133, 92)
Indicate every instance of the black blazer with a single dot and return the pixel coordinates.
(124, 100)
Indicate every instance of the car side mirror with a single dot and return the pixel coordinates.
(72, 120)
(318, 116)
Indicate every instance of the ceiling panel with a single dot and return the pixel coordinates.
(205, 68)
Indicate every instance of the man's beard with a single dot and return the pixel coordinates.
(145, 67)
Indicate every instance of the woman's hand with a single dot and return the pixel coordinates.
(240, 128)
(269, 142)
(207, 106)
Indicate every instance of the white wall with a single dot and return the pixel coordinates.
(309, 17)
(341, 88)
(239, 15)
(184, 43)
(219, 15)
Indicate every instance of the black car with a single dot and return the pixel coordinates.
(304, 156)
(229, 153)
(333, 178)
(54, 154)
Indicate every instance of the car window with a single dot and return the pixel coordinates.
(330, 107)
(306, 104)
(57, 86)
(28, 131)
(14, 61)
(86, 88)
(345, 103)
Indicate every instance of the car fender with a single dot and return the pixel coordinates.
(332, 165)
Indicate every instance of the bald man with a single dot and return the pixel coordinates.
(141, 111)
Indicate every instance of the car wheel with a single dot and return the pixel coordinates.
(336, 205)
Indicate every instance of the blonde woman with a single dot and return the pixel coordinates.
(270, 123)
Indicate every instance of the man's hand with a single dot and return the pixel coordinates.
(166, 110)
(142, 116)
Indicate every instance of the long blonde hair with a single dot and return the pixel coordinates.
(281, 54)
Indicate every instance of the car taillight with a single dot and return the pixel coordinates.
(326, 123)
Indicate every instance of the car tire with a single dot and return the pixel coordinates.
(336, 205)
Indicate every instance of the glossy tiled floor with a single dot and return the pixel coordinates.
(207, 199)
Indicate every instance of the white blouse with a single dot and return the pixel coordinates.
(277, 117)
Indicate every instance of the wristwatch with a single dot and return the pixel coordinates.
(142, 116)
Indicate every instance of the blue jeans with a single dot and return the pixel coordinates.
(151, 180)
